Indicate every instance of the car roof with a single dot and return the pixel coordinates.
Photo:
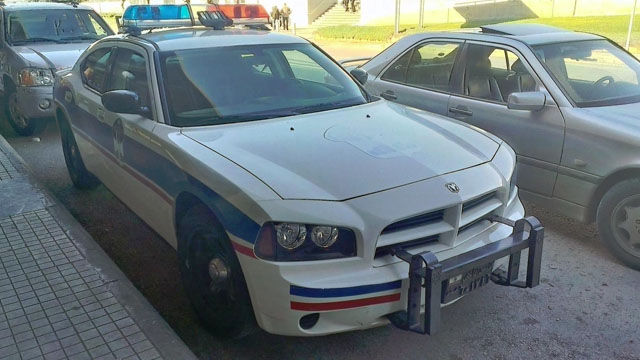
(203, 37)
(530, 34)
(43, 6)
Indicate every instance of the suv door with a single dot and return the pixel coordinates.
(491, 74)
(422, 76)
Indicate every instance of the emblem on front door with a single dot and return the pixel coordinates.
(453, 187)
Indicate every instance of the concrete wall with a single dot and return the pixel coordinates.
(442, 11)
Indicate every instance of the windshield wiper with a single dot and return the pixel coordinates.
(36, 39)
(324, 107)
(80, 37)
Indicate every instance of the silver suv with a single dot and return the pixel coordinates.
(37, 40)
(568, 103)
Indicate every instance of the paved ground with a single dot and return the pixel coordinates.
(60, 295)
(586, 307)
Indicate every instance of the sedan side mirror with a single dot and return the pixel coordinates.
(122, 102)
(529, 101)
(360, 74)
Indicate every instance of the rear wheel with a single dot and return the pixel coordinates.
(618, 220)
(212, 275)
(80, 176)
(20, 123)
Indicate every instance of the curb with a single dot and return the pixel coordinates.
(158, 332)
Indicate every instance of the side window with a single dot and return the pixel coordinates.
(129, 72)
(94, 69)
(431, 65)
(398, 71)
(494, 73)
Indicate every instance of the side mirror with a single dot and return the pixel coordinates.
(122, 102)
(529, 101)
(360, 74)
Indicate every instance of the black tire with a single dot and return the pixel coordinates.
(80, 176)
(618, 220)
(21, 124)
(224, 307)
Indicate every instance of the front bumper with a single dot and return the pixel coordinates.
(348, 294)
(425, 271)
(30, 99)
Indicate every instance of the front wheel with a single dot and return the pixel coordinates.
(618, 220)
(212, 275)
(80, 176)
(20, 123)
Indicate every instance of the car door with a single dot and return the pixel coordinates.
(422, 76)
(85, 108)
(491, 74)
(136, 149)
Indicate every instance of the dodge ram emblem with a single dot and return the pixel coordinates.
(453, 187)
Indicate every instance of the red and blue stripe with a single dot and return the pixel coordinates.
(334, 294)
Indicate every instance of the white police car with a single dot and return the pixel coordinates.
(292, 196)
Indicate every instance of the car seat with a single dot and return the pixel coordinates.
(480, 83)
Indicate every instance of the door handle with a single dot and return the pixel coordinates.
(389, 95)
(460, 111)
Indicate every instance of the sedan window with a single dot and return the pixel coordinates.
(494, 73)
(429, 66)
(594, 72)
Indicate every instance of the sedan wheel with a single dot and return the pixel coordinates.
(618, 220)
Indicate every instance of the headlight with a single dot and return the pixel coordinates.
(35, 77)
(304, 242)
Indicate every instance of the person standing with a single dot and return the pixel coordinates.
(285, 13)
(353, 5)
(345, 4)
(275, 17)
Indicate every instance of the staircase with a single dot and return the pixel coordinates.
(337, 16)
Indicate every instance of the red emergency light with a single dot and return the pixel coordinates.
(242, 14)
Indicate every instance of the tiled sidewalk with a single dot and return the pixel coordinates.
(56, 302)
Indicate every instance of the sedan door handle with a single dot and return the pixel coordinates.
(389, 95)
(100, 114)
(460, 111)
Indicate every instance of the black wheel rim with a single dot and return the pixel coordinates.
(213, 294)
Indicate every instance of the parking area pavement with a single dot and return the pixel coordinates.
(61, 296)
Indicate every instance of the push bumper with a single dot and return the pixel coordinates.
(35, 101)
(426, 272)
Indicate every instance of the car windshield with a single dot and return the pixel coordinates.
(244, 83)
(594, 72)
(54, 25)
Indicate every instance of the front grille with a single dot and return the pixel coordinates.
(434, 227)
(420, 220)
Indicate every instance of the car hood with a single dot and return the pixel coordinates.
(346, 153)
(626, 115)
(53, 56)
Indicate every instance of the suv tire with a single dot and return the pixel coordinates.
(21, 124)
(618, 220)
(221, 302)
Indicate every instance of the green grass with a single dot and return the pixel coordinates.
(614, 27)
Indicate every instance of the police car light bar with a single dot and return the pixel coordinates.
(147, 17)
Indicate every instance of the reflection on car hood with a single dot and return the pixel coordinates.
(342, 154)
(53, 56)
(627, 115)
